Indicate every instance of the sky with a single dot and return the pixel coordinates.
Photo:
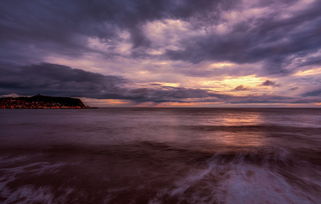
(164, 53)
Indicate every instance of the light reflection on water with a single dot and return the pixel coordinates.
(160, 156)
(241, 138)
(254, 118)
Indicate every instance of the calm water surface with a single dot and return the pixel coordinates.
(231, 156)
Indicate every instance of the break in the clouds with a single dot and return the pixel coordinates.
(163, 51)
(58, 80)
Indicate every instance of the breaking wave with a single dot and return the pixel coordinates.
(148, 172)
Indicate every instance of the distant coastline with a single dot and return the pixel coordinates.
(41, 102)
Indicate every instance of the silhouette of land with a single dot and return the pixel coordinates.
(41, 102)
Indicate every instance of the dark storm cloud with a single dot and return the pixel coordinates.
(44, 27)
(263, 99)
(58, 80)
(268, 39)
(52, 79)
(293, 88)
(316, 92)
(257, 42)
(269, 83)
(30, 30)
(171, 94)
(240, 88)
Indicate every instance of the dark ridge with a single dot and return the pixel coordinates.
(41, 102)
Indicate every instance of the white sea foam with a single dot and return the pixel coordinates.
(27, 193)
(239, 184)
(250, 185)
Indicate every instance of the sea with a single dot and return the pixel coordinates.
(161, 155)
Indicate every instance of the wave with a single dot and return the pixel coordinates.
(150, 172)
(220, 153)
(265, 128)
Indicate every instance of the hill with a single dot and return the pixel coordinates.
(41, 102)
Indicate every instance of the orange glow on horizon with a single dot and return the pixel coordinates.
(105, 102)
(227, 85)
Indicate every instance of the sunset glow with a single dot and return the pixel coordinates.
(123, 54)
(160, 101)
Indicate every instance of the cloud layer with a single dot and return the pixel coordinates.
(208, 51)
(59, 80)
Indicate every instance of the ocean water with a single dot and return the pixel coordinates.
(137, 155)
